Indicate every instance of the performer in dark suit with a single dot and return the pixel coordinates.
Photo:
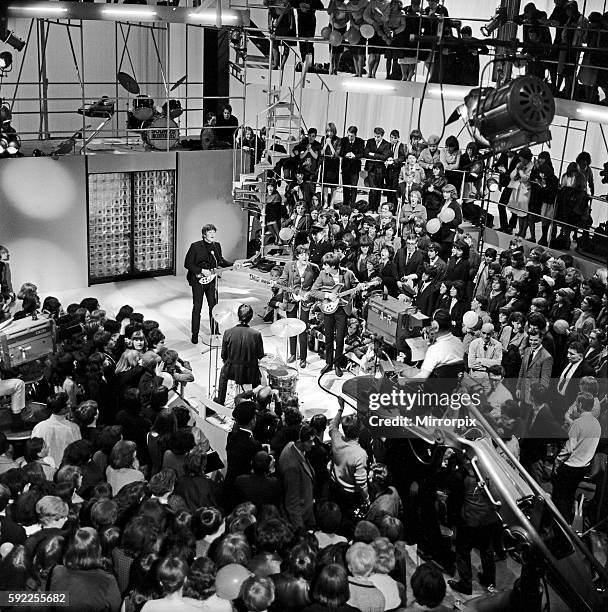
(334, 325)
(241, 446)
(351, 152)
(242, 347)
(202, 258)
(393, 166)
(377, 151)
(298, 275)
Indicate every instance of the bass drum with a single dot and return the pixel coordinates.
(158, 136)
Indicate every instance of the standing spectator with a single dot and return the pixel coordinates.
(259, 487)
(330, 159)
(572, 462)
(566, 386)
(536, 366)
(226, 126)
(297, 476)
(307, 23)
(393, 166)
(330, 591)
(521, 189)
(123, 467)
(56, 431)
(430, 155)
(573, 35)
(484, 352)
(241, 446)
(282, 22)
(377, 151)
(364, 595)
(194, 486)
(352, 149)
(348, 474)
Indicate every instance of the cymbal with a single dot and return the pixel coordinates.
(224, 314)
(128, 82)
(288, 328)
(270, 361)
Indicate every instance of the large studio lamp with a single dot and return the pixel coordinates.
(515, 115)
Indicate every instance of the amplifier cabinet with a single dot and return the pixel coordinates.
(26, 340)
(392, 320)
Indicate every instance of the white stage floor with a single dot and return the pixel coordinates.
(168, 300)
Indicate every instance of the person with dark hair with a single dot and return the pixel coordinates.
(567, 382)
(293, 583)
(334, 324)
(348, 476)
(181, 443)
(241, 446)
(57, 431)
(352, 149)
(123, 467)
(242, 347)
(330, 591)
(10, 531)
(259, 486)
(202, 259)
(153, 384)
(377, 151)
(194, 486)
(297, 477)
(428, 587)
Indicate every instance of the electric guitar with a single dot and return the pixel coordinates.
(216, 272)
(298, 294)
(330, 305)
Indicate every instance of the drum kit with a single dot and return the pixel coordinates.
(156, 125)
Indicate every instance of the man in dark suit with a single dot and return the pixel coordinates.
(241, 446)
(319, 244)
(426, 297)
(567, 383)
(242, 347)
(334, 325)
(377, 151)
(393, 166)
(432, 252)
(299, 190)
(309, 150)
(351, 152)
(298, 275)
(536, 366)
(259, 487)
(202, 259)
(298, 479)
(409, 260)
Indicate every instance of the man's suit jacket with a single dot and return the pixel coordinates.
(290, 278)
(259, 490)
(388, 275)
(241, 446)
(379, 153)
(571, 390)
(537, 433)
(203, 255)
(537, 370)
(413, 266)
(426, 298)
(458, 269)
(298, 479)
(441, 268)
(242, 347)
(351, 165)
(326, 280)
(318, 249)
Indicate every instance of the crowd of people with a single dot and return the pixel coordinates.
(409, 34)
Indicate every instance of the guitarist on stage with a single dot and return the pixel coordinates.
(202, 259)
(298, 275)
(334, 325)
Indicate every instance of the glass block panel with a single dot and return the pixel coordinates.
(154, 217)
(109, 225)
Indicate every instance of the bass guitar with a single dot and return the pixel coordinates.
(330, 305)
(216, 272)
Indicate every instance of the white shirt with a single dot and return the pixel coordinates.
(57, 432)
(583, 438)
(566, 375)
(445, 350)
(497, 398)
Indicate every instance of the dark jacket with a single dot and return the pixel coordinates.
(318, 249)
(258, 489)
(351, 165)
(242, 347)
(426, 298)
(413, 266)
(241, 446)
(197, 491)
(291, 279)
(378, 153)
(203, 255)
(298, 480)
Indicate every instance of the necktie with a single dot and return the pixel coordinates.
(396, 151)
(564, 380)
(532, 355)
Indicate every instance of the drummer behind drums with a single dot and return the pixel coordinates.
(242, 348)
(299, 276)
(334, 325)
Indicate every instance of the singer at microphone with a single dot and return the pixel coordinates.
(202, 259)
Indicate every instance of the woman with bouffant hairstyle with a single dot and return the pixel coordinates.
(83, 575)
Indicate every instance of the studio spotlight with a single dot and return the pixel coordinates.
(515, 115)
(499, 19)
(6, 61)
(9, 38)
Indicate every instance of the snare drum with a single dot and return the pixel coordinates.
(143, 108)
(285, 381)
(175, 109)
(156, 135)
